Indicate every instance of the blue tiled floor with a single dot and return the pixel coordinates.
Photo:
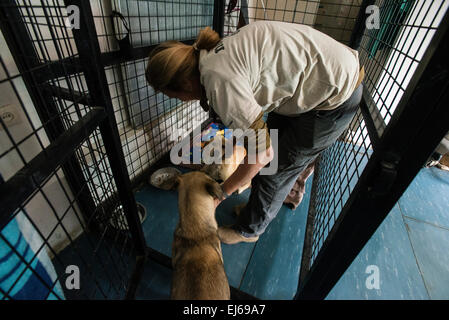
(410, 249)
(425, 208)
(427, 198)
(273, 270)
(390, 251)
(431, 247)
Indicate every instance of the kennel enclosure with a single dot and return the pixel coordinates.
(82, 130)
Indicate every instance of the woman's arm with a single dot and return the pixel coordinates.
(245, 171)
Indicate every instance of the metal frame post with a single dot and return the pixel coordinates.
(218, 21)
(392, 167)
(360, 25)
(90, 58)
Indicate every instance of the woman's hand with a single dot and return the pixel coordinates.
(244, 173)
(217, 202)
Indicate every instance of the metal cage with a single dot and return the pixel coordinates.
(87, 129)
(362, 176)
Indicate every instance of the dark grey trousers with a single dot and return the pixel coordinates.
(301, 140)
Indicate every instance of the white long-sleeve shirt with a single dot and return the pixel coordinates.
(276, 66)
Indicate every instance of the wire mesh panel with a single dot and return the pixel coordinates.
(357, 173)
(335, 18)
(60, 214)
(153, 22)
(150, 123)
(391, 51)
(338, 172)
(163, 121)
(390, 54)
(48, 235)
(74, 207)
(46, 24)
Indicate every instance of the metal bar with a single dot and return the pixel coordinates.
(132, 54)
(391, 168)
(66, 94)
(219, 12)
(360, 25)
(90, 57)
(372, 116)
(354, 43)
(135, 278)
(373, 133)
(25, 57)
(72, 65)
(218, 26)
(243, 16)
(308, 238)
(57, 69)
(27, 180)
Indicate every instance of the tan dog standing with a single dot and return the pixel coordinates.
(198, 271)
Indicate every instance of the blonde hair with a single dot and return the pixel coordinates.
(172, 63)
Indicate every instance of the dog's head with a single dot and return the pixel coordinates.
(199, 184)
(229, 160)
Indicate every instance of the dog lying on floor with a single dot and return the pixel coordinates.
(223, 170)
(198, 271)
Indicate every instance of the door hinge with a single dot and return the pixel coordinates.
(385, 176)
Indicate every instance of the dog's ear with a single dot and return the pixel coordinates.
(214, 189)
(175, 182)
